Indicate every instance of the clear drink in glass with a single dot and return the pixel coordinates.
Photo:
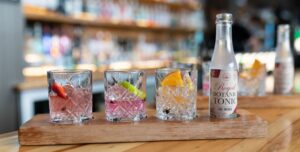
(252, 82)
(176, 94)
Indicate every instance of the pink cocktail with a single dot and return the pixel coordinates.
(124, 99)
(70, 101)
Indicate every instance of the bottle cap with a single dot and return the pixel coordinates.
(224, 17)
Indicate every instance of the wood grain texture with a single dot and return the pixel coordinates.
(39, 131)
(269, 101)
(275, 129)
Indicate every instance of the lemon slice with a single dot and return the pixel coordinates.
(132, 89)
(173, 79)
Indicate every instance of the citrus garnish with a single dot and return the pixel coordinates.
(245, 75)
(180, 99)
(59, 90)
(132, 89)
(256, 66)
(173, 79)
(188, 80)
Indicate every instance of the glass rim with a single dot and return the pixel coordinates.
(124, 71)
(169, 69)
(76, 71)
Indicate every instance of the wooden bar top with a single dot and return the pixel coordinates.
(283, 135)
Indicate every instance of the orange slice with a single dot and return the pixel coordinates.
(245, 75)
(173, 79)
(256, 66)
(180, 99)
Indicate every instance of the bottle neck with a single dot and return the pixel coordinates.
(223, 56)
(283, 41)
(224, 36)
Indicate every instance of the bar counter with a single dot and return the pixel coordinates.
(283, 135)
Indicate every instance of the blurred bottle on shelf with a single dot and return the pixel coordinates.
(46, 40)
(67, 46)
(284, 62)
(124, 11)
(61, 7)
(76, 45)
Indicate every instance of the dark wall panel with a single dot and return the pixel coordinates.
(11, 61)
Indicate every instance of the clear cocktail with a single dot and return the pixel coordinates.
(176, 94)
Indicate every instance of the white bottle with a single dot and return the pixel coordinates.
(284, 62)
(223, 72)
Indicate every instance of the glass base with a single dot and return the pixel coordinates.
(58, 120)
(176, 117)
(126, 119)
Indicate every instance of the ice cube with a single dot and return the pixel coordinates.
(69, 89)
(79, 81)
(119, 93)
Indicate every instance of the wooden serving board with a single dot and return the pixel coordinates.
(268, 101)
(39, 131)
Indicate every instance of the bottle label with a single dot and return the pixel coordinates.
(283, 77)
(223, 93)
